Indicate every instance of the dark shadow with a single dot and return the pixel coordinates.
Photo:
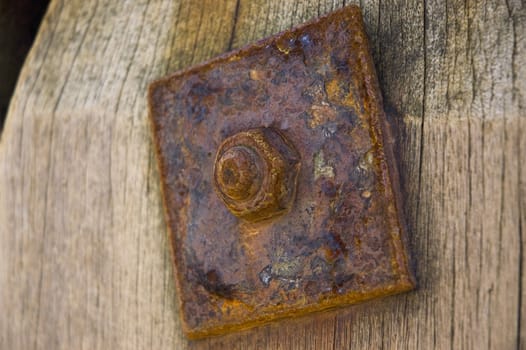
(19, 22)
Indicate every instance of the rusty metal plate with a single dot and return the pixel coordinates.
(278, 179)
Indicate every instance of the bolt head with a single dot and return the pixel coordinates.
(255, 174)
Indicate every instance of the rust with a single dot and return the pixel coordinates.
(279, 181)
(255, 174)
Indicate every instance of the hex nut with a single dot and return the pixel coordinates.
(255, 174)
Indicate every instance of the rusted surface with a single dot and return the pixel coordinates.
(255, 174)
(340, 239)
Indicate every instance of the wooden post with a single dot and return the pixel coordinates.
(84, 259)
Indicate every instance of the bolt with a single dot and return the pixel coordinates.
(255, 174)
(239, 172)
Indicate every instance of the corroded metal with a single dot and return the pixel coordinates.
(279, 182)
(255, 174)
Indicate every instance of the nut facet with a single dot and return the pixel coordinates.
(255, 174)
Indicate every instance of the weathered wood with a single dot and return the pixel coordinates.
(84, 261)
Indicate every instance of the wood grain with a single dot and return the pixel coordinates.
(84, 260)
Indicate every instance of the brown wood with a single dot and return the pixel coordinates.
(84, 259)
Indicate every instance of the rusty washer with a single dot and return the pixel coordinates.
(279, 180)
(255, 174)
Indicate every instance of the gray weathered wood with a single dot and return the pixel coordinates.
(84, 261)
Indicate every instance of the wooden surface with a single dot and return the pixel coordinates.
(84, 260)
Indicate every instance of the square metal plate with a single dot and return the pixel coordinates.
(342, 240)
